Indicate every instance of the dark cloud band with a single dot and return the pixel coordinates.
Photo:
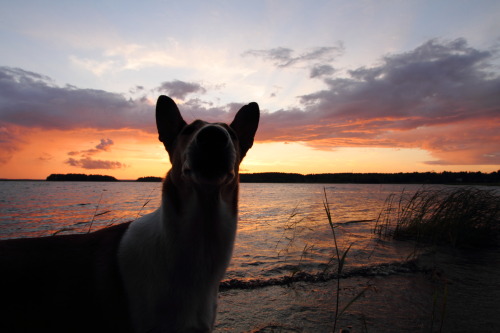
(442, 96)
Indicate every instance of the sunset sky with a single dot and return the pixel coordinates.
(343, 86)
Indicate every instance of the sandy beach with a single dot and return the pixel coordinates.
(460, 292)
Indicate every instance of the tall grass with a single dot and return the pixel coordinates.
(462, 217)
(340, 258)
(294, 226)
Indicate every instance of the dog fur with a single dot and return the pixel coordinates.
(159, 273)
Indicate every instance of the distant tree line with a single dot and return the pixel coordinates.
(149, 179)
(80, 177)
(446, 177)
(376, 178)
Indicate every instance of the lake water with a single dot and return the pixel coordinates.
(282, 228)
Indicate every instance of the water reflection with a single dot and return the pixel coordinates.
(282, 227)
(35, 209)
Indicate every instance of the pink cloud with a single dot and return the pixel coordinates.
(89, 163)
(442, 97)
(180, 89)
(104, 145)
(32, 100)
(11, 139)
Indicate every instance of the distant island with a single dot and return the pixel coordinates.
(150, 179)
(447, 177)
(80, 177)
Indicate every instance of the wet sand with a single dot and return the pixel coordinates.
(460, 291)
(391, 304)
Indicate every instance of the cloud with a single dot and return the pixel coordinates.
(137, 89)
(442, 97)
(103, 146)
(89, 163)
(283, 57)
(280, 56)
(86, 161)
(32, 100)
(321, 70)
(196, 108)
(45, 157)
(180, 89)
(10, 141)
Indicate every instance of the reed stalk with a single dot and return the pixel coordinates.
(340, 258)
(95, 213)
(461, 217)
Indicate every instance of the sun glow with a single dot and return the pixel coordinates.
(394, 93)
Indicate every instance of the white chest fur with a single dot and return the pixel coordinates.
(171, 269)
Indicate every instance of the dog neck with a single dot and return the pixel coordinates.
(204, 215)
(198, 201)
(185, 248)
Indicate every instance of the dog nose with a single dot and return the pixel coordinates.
(212, 137)
(211, 157)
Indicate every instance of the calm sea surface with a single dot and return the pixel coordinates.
(282, 227)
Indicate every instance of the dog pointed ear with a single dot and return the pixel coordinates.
(168, 121)
(245, 125)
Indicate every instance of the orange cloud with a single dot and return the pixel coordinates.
(441, 97)
(134, 153)
(90, 163)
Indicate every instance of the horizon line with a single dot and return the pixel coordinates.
(276, 172)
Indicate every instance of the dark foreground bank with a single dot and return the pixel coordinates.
(451, 291)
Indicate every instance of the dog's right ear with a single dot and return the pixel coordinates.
(168, 121)
(245, 125)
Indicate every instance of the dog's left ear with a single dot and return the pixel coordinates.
(245, 125)
(168, 121)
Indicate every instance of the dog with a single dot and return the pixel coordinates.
(159, 273)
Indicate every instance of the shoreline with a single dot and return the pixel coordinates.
(372, 271)
(310, 307)
(445, 177)
(493, 184)
(456, 290)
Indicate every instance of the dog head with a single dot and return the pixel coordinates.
(205, 153)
